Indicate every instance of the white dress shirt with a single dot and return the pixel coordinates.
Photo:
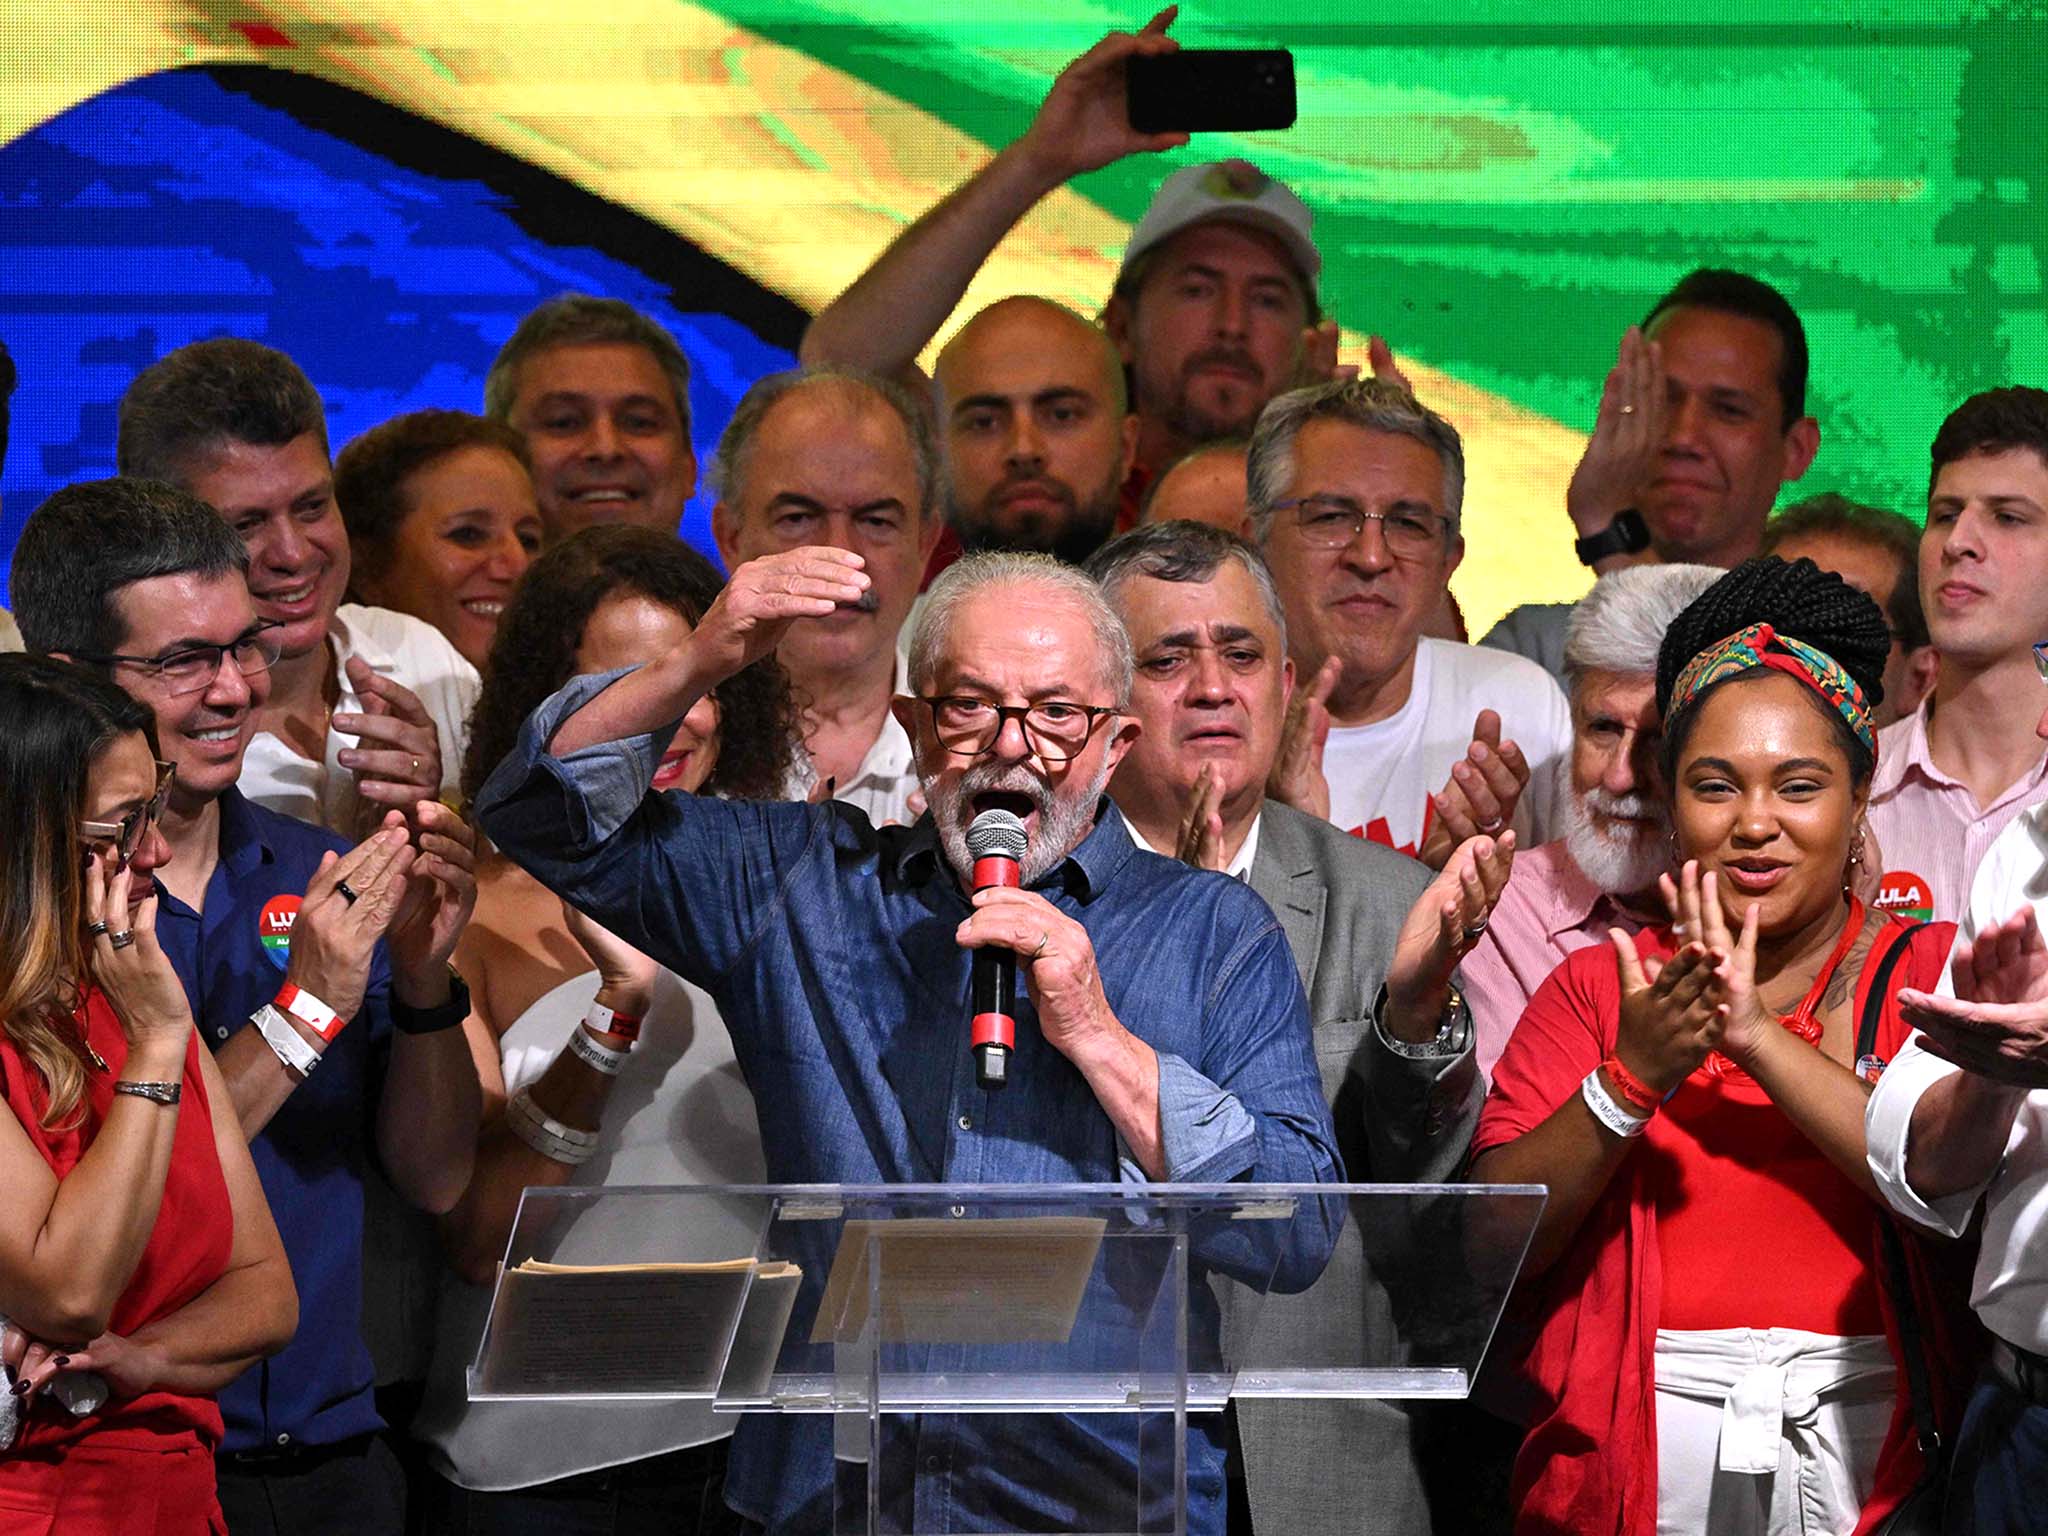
(398, 646)
(2010, 1288)
(1239, 868)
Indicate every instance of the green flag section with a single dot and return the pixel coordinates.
(1500, 197)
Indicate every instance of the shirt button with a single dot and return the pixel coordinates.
(959, 1210)
(967, 1122)
(931, 1463)
(220, 1032)
(284, 1439)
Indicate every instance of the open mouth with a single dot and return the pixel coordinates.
(1017, 803)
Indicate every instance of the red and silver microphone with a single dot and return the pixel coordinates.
(996, 841)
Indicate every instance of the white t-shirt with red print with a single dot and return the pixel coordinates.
(1383, 774)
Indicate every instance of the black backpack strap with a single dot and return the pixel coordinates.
(1897, 1277)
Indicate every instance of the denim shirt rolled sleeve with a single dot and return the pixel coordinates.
(829, 947)
(1888, 1125)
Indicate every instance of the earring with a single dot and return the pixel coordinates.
(1849, 869)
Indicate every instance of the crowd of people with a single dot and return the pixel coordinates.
(392, 831)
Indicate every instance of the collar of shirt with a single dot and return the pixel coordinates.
(1574, 899)
(1903, 748)
(888, 759)
(1239, 868)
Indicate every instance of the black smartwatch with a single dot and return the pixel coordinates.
(431, 1021)
(1628, 534)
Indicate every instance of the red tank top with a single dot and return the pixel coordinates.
(187, 1249)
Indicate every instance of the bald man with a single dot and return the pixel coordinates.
(1203, 485)
(1037, 435)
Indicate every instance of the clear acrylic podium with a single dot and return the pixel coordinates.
(1002, 1357)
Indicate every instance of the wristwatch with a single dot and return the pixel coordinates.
(1628, 534)
(431, 1021)
(1453, 1030)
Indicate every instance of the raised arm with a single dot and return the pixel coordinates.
(68, 1247)
(895, 307)
(748, 620)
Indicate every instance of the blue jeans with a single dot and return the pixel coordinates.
(2001, 1468)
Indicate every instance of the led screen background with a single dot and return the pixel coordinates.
(382, 188)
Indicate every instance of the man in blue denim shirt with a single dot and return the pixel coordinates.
(1165, 1034)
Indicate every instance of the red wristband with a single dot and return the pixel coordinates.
(605, 1021)
(310, 1011)
(1633, 1088)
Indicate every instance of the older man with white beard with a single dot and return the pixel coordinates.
(1602, 873)
(1164, 1035)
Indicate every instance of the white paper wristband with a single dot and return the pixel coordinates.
(586, 1049)
(1607, 1111)
(291, 1047)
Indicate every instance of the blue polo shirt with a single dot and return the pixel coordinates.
(310, 1157)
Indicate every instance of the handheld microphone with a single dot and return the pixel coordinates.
(996, 840)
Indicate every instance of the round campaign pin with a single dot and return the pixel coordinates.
(1901, 893)
(274, 928)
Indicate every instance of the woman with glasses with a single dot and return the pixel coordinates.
(140, 1271)
(599, 1068)
(1728, 1332)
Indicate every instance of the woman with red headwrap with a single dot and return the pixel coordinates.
(1711, 1342)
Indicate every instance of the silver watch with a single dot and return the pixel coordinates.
(1453, 1030)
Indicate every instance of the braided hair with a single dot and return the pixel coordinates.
(1799, 600)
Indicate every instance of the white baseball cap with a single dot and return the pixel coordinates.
(1227, 191)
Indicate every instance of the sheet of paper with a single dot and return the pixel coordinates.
(634, 1328)
(992, 1280)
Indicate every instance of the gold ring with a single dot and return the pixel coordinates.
(1628, 410)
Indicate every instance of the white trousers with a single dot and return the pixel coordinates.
(1768, 1432)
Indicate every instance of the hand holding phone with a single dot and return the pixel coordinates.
(1210, 90)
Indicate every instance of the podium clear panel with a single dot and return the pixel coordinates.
(1003, 1357)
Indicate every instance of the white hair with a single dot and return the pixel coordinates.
(973, 574)
(1620, 624)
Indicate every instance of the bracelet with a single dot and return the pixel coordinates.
(556, 1142)
(156, 1093)
(592, 1052)
(290, 1047)
(604, 1021)
(408, 1020)
(1633, 1088)
(310, 1011)
(1606, 1111)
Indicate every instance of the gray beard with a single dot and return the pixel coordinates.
(1620, 866)
(1064, 818)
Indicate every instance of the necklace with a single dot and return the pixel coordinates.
(1803, 1021)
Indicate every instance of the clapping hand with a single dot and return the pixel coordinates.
(1201, 825)
(1446, 921)
(1480, 797)
(1296, 777)
(1996, 1025)
(399, 762)
(1694, 904)
(440, 895)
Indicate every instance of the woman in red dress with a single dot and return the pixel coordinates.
(1709, 1343)
(140, 1271)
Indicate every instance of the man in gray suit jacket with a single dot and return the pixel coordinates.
(1376, 940)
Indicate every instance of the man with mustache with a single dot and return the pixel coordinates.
(601, 393)
(1957, 771)
(1702, 424)
(1214, 309)
(1376, 941)
(833, 457)
(238, 425)
(1163, 1034)
(1035, 433)
(1601, 872)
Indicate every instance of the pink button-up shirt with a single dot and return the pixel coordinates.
(1548, 910)
(1930, 829)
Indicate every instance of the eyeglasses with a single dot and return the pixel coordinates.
(1331, 522)
(127, 834)
(194, 669)
(1054, 730)
(2041, 659)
